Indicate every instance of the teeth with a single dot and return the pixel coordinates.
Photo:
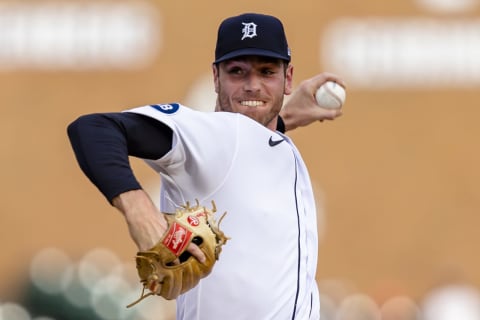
(252, 103)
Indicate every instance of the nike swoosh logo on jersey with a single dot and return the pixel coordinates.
(273, 143)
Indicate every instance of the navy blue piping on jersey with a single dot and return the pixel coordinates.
(298, 241)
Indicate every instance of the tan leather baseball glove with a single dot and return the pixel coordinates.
(167, 269)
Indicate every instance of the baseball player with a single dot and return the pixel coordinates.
(234, 156)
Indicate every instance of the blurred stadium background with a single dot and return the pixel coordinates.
(397, 177)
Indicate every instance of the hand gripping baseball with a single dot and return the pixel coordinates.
(167, 269)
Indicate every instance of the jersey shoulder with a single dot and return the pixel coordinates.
(178, 116)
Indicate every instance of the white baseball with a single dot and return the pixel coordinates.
(330, 95)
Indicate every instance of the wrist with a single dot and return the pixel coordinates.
(286, 118)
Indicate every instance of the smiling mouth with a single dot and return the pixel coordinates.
(252, 103)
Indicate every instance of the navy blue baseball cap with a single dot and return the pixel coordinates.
(251, 34)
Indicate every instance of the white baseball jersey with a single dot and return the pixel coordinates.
(266, 271)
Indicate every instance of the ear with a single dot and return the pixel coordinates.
(215, 77)
(288, 80)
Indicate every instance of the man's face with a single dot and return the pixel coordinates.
(254, 86)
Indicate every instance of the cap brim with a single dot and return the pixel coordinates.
(251, 52)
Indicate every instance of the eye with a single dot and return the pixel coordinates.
(235, 70)
(268, 72)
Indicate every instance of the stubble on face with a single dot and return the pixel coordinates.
(252, 86)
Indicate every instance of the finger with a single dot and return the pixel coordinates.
(196, 252)
(326, 114)
(328, 76)
(337, 79)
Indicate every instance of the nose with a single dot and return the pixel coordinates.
(252, 83)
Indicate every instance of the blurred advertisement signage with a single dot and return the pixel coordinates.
(78, 35)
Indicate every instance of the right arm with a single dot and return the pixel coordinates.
(302, 109)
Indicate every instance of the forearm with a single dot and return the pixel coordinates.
(145, 223)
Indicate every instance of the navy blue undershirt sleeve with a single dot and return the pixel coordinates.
(103, 142)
